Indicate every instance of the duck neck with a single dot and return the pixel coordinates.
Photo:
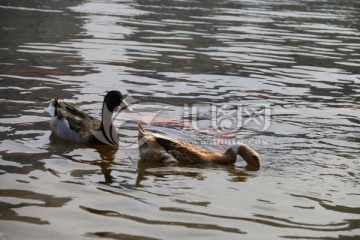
(229, 157)
(107, 127)
(106, 115)
(231, 153)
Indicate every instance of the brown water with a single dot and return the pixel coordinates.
(290, 67)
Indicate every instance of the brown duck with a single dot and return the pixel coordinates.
(159, 148)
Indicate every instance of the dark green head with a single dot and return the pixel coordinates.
(114, 99)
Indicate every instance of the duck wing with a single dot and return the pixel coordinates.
(77, 120)
(70, 109)
(182, 151)
(173, 144)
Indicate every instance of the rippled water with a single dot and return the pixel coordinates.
(294, 61)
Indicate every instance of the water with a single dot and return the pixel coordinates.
(295, 61)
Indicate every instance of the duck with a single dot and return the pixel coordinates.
(72, 124)
(159, 148)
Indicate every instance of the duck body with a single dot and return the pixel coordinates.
(154, 147)
(72, 124)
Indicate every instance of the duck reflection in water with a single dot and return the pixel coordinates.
(98, 155)
(150, 172)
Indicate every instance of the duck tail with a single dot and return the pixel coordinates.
(51, 109)
(141, 127)
(142, 131)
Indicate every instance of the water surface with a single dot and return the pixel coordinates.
(292, 64)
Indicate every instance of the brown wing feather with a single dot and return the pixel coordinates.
(78, 120)
(185, 152)
(71, 109)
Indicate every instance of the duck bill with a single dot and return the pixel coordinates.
(125, 106)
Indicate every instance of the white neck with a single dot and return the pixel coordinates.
(235, 148)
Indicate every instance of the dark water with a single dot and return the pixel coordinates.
(290, 68)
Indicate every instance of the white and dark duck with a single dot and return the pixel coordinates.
(72, 124)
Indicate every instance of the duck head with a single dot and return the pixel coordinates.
(114, 100)
(251, 157)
